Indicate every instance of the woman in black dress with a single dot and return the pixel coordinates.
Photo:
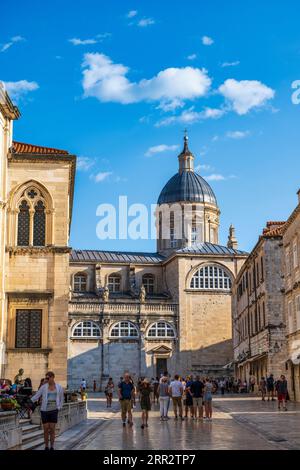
(145, 401)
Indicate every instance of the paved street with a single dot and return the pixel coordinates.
(238, 423)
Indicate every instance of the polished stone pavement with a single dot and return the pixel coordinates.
(239, 423)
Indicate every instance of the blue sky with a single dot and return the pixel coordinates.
(110, 80)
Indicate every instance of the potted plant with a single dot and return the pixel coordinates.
(9, 404)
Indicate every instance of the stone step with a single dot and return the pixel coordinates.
(31, 436)
(28, 428)
(33, 444)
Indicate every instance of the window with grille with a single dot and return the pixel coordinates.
(114, 283)
(86, 329)
(161, 330)
(23, 224)
(124, 329)
(210, 278)
(28, 328)
(39, 225)
(80, 283)
(148, 282)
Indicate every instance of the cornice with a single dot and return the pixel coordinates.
(33, 250)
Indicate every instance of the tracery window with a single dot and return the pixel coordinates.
(86, 329)
(210, 278)
(161, 330)
(124, 329)
(148, 283)
(31, 218)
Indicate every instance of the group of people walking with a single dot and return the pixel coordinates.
(189, 397)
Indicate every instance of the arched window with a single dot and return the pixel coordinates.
(210, 278)
(148, 283)
(124, 329)
(39, 224)
(80, 282)
(86, 329)
(31, 218)
(161, 329)
(114, 283)
(23, 224)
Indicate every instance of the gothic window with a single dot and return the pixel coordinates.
(114, 283)
(31, 219)
(86, 329)
(23, 224)
(80, 282)
(161, 330)
(28, 328)
(39, 222)
(211, 278)
(124, 329)
(173, 242)
(148, 283)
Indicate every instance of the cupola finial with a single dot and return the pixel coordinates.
(186, 158)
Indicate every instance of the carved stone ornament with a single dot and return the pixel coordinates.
(105, 294)
(142, 294)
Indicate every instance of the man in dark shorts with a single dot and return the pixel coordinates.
(281, 387)
(126, 395)
(270, 387)
(52, 401)
(197, 393)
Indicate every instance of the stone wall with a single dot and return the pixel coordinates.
(85, 361)
(10, 431)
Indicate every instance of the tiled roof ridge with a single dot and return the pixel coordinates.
(270, 223)
(25, 148)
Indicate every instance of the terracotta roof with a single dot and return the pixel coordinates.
(269, 224)
(22, 148)
(275, 232)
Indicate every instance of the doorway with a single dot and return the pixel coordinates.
(161, 366)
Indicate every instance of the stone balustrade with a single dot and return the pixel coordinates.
(10, 431)
(71, 414)
(121, 308)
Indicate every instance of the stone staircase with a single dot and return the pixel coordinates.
(32, 435)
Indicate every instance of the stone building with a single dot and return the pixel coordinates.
(291, 271)
(257, 308)
(147, 312)
(37, 186)
(92, 314)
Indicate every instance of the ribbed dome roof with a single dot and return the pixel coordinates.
(187, 187)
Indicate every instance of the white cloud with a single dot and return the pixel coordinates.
(100, 177)
(58, 57)
(132, 13)
(192, 56)
(18, 89)
(238, 134)
(84, 163)
(107, 81)
(146, 22)
(246, 94)
(207, 41)
(230, 64)
(12, 41)
(215, 138)
(189, 116)
(214, 177)
(82, 42)
(203, 167)
(159, 149)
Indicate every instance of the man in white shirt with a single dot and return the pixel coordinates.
(176, 392)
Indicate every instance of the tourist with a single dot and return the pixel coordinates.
(145, 401)
(222, 385)
(263, 388)
(155, 390)
(164, 398)
(94, 386)
(270, 387)
(252, 383)
(245, 386)
(52, 395)
(282, 391)
(176, 392)
(83, 385)
(109, 390)
(197, 393)
(126, 393)
(189, 397)
(133, 402)
(207, 398)
(42, 382)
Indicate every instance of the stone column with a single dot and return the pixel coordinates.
(106, 322)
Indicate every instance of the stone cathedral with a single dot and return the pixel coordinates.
(93, 314)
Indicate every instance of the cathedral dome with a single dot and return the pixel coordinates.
(186, 185)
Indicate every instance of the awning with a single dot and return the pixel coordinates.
(253, 359)
(228, 366)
